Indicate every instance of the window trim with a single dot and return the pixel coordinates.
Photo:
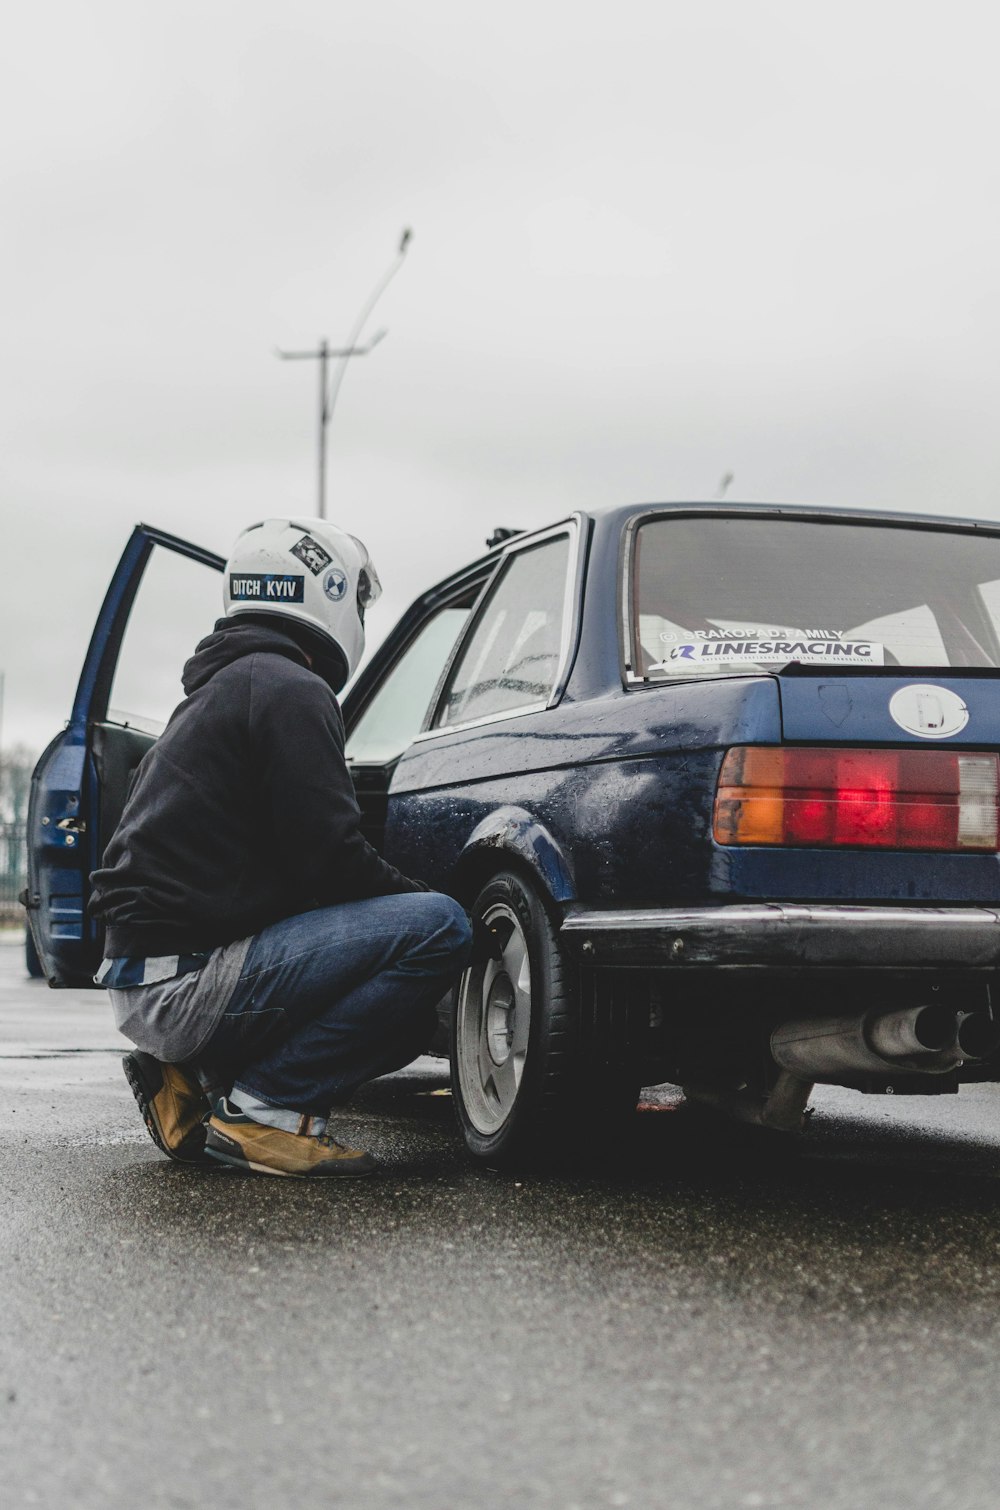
(626, 575)
(446, 600)
(353, 761)
(569, 631)
(474, 578)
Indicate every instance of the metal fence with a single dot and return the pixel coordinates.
(13, 871)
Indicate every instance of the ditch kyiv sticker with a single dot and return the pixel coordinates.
(778, 652)
(311, 554)
(266, 587)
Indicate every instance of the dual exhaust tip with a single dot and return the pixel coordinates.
(929, 1040)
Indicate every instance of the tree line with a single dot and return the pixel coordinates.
(16, 766)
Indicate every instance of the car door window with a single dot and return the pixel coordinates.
(177, 604)
(396, 713)
(511, 659)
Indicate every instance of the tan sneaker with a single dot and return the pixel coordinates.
(173, 1106)
(234, 1138)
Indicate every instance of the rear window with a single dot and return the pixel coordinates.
(720, 596)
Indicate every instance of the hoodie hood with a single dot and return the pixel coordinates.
(230, 641)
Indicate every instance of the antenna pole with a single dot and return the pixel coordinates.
(324, 357)
(325, 353)
(322, 354)
(366, 311)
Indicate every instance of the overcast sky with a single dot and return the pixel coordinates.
(652, 244)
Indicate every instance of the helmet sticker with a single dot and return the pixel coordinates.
(266, 587)
(311, 554)
(335, 584)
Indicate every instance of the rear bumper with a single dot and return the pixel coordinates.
(787, 936)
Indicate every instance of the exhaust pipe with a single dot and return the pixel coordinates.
(782, 1110)
(978, 1034)
(921, 1040)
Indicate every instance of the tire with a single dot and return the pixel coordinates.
(520, 1085)
(32, 963)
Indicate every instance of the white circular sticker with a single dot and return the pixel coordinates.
(930, 712)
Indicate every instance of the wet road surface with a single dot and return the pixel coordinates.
(706, 1322)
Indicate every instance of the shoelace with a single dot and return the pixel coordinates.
(327, 1140)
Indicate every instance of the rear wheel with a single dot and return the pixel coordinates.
(519, 1079)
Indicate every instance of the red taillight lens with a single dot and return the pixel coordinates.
(881, 799)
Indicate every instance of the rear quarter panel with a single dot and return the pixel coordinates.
(623, 785)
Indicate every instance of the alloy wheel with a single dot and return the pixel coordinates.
(494, 1018)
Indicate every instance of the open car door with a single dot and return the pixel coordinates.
(81, 781)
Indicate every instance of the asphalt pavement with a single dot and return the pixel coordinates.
(707, 1319)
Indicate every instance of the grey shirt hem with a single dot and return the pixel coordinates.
(174, 1019)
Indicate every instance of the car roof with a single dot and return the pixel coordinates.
(610, 519)
(611, 514)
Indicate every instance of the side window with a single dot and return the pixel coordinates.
(512, 657)
(395, 714)
(177, 604)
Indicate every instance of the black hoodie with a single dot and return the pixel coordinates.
(243, 812)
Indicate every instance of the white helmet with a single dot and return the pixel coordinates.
(306, 570)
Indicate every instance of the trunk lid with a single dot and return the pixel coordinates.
(939, 706)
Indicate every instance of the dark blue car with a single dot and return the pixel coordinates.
(723, 781)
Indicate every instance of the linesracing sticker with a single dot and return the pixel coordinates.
(774, 652)
(266, 587)
(311, 554)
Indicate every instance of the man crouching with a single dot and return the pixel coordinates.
(261, 955)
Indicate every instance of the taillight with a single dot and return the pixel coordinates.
(881, 799)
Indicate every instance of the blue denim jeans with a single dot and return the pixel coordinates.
(329, 999)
